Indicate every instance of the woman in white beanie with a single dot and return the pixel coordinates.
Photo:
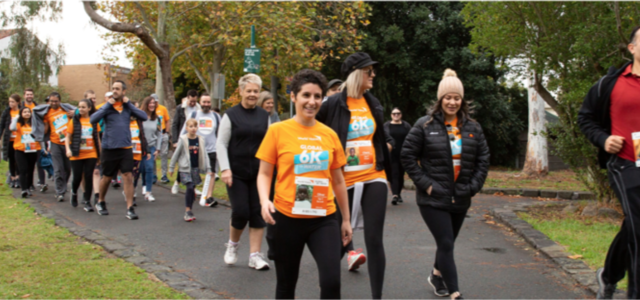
(454, 161)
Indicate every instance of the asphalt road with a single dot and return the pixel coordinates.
(491, 262)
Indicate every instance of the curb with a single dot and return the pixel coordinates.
(122, 249)
(576, 269)
(532, 193)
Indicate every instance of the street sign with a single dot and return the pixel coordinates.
(251, 60)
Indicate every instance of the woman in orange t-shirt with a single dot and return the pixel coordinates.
(309, 158)
(83, 150)
(26, 149)
(9, 136)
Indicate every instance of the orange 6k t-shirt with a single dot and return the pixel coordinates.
(87, 144)
(24, 140)
(304, 157)
(135, 140)
(57, 120)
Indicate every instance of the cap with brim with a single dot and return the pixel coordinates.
(356, 61)
(154, 96)
(334, 82)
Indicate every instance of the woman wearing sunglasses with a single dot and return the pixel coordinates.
(454, 160)
(398, 129)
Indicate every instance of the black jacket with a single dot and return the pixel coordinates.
(430, 146)
(76, 136)
(178, 121)
(248, 128)
(335, 113)
(594, 117)
(5, 133)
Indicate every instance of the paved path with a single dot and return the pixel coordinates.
(491, 262)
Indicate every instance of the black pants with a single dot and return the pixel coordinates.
(397, 176)
(374, 209)
(623, 253)
(287, 239)
(190, 195)
(26, 163)
(40, 171)
(245, 204)
(80, 167)
(13, 167)
(444, 227)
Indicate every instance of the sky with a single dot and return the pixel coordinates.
(80, 38)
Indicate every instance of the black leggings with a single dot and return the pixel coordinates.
(190, 195)
(397, 177)
(374, 209)
(26, 163)
(13, 167)
(245, 204)
(444, 227)
(80, 167)
(287, 239)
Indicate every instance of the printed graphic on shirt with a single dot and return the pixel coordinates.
(135, 140)
(194, 149)
(359, 126)
(310, 160)
(86, 140)
(635, 136)
(29, 142)
(60, 126)
(311, 196)
(205, 125)
(455, 140)
(360, 156)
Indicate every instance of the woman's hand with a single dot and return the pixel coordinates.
(267, 210)
(148, 156)
(155, 154)
(69, 154)
(429, 190)
(347, 232)
(227, 177)
(170, 173)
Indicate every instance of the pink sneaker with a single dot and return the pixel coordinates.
(355, 259)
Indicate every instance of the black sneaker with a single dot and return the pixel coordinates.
(131, 214)
(32, 188)
(18, 184)
(24, 194)
(101, 208)
(12, 184)
(400, 199)
(115, 184)
(87, 206)
(605, 291)
(74, 200)
(134, 202)
(165, 179)
(43, 188)
(438, 285)
(188, 216)
(459, 297)
(211, 202)
(394, 200)
(29, 193)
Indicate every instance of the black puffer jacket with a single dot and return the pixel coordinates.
(429, 145)
(5, 133)
(76, 136)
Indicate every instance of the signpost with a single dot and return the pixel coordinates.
(252, 55)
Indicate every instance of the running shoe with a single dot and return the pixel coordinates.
(32, 188)
(394, 200)
(256, 261)
(24, 194)
(217, 177)
(74, 200)
(101, 208)
(231, 256)
(29, 193)
(211, 202)
(605, 291)
(43, 187)
(131, 214)
(355, 259)
(400, 199)
(87, 206)
(175, 188)
(198, 192)
(60, 198)
(438, 285)
(144, 189)
(18, 184)
(149, 197)
(165, 179)
(188, 216)
(115, 184)
(12, 184)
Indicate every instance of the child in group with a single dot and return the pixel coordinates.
(26, 149)
(192, 159)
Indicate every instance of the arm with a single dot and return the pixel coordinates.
(265, 175)
(391, 143)
(66, 144)
(136, 112)
(159, 139)
(410, 155)
(342, 199)
(221, 147)
(482, 164)
(588, 119)
(174, 158)
(100, 113)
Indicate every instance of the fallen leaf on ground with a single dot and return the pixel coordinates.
(491, 222)
(577, 256)
(25, 296)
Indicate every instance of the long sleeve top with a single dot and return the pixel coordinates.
(116, 132)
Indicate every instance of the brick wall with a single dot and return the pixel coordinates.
(76, 79)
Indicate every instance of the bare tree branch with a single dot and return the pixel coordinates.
(191, 47)
(187, 10)
(544, 93)
(145, 18)
(198, 73)
(616, 9)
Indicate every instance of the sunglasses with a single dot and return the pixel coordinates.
(370, 72)
(396, 114)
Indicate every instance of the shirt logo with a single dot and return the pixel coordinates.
(316, 138)
(361, 109)
(310, 161)
(360, 128)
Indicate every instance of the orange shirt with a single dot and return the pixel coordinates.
(14, 114)
(455, 138)
(163, 115)
(24, 140)
(32, 105)
(100, 105)
(57, 120)
(118, 106)
(304, 157)
(87, 144)
(360, 153)
(135, 140)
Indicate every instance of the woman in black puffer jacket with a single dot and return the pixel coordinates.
(447, 157)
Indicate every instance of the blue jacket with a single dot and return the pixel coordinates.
(116, 132)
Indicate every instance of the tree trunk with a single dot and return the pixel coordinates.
(166, 78)
(160, 84)
(537, 160)
(161, 33)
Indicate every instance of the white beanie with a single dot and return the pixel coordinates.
(450, 84)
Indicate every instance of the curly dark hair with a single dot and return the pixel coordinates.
(308, 76)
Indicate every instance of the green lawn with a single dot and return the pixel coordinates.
(219, 190)
(586, 236)
(41, 260)
(563, 180)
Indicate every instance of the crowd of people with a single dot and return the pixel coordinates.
(314, 179)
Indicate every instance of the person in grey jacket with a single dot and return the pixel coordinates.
(153, 134)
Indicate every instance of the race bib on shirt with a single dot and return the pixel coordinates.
(86, 140)
(29, 143)
(635, 136)
(205, 126)
(60, 126)
(360, 156)
(310, 161)
(311, 197)
(136, 146)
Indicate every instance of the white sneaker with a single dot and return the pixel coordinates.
(175, 188)
(231, 256)
(144, 189)
(198, 192)
(149, 197)
(256, 261)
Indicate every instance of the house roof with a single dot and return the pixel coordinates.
(6, 33)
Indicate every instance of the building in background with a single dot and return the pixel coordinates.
(76, 79)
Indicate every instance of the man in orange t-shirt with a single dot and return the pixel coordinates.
(55, 123)
(164, 116)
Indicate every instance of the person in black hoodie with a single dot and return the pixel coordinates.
(357, 117)
(398, 129)
(609, 119)
(8, 136)
(447, 157)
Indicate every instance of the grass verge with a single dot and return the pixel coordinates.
(219, 190)
(564, 180)
(41, 260)
(589, 237)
